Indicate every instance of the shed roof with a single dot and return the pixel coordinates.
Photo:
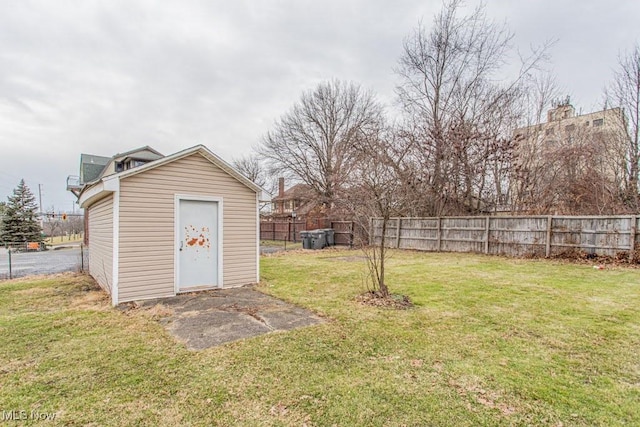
(97, 189)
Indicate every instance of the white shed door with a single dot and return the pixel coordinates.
(197, 244)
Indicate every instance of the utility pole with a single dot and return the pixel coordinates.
(40, 197)
(40, 202)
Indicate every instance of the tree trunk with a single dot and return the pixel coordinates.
(382, 286)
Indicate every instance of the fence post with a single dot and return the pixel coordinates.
(398, 232)
(10, 275)
(351, 234)
(371, 232)
(439, 234)
(632, 238)
(81, 257)
(547, 251)
(486, 235)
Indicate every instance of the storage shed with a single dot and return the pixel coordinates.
(180, 223)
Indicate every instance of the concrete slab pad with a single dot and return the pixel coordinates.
(209, 318)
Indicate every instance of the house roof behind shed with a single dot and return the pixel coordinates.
(298, 191)
(91, 167)
(142, 153)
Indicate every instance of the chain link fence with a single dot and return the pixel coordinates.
(20, 260)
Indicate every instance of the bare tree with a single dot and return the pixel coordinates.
(314, 141)
(376, 192)
(456, 113)
(624, 91)
(251, 167)
(540, 90)
(528, 174)
(57, 225)
(568, 168)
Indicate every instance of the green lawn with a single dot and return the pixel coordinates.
(57, 240)
(491, 341)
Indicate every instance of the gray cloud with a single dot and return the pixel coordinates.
(103, 77)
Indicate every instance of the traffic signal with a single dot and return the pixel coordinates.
(64, 216)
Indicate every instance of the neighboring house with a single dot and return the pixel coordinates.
(297, 200)
(158, 226)
(93, 167)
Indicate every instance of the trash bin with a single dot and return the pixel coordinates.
(330, 236)
(318, 239)
(305, 236)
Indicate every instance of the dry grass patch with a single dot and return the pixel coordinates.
(96, 299)
(33, 291)
(155, 312)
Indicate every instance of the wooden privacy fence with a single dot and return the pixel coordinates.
(281, 230)
(290, 230)
(514, 236)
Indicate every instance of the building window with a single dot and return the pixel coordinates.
(598, 122)
(586, 123)
(130, 164)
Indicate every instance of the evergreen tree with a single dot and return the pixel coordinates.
(3, 208)
(20, 222)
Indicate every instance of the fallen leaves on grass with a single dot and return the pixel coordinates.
(394, 301)
(621, 258)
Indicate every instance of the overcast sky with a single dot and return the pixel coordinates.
(105, 77)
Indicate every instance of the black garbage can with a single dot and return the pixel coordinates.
(305, 236)
(329, 236)
(318, 239)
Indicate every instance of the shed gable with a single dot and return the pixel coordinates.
(146, 226)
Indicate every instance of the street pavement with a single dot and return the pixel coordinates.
(63, 258)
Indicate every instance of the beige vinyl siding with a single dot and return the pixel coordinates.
(147, 203)
(101, 242)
